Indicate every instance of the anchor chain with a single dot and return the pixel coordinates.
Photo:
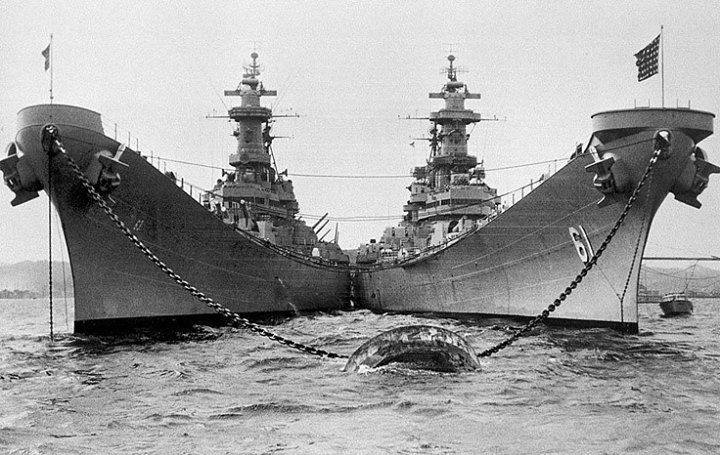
(590, 264)
(52, 145)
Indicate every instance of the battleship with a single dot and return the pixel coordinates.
(241, 243)
(460, 250)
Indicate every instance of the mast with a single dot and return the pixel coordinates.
(50, 57)
(252, 118)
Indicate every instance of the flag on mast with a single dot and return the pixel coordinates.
(647, 60)
(46, 54)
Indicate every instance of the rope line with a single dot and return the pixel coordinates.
(351, 176)
(635, 256)
(448, 210)
(58, 224)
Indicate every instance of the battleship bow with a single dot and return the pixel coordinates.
(515, 263)
(214, 241)
(461, 251)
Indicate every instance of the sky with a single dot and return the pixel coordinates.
(350, 70)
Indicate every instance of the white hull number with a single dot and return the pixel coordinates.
(582, 243)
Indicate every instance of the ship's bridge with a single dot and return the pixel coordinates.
(255, 180)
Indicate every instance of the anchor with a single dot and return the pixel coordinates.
(611, 176)
(418, 347)
(19, 176)
(104, 170)
(694, 178)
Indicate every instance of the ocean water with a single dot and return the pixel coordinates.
(222, 390)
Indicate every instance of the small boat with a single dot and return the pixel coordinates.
(676, 304)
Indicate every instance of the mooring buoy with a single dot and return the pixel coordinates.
(417, 346)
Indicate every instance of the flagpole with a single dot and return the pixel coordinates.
(51, 68)
(662, 65)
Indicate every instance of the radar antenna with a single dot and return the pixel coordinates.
(252, 70)
(451, 71)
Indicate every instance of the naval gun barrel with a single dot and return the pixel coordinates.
(322, 227)
(324, 235)
(319, 221)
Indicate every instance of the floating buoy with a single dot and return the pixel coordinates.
(418, 347)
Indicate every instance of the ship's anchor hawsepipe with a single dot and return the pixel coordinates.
(431, 347)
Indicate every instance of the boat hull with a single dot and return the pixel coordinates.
(116, 286)
(676, 305)
(520, 262)
(676, 308)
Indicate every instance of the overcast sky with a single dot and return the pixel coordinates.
(349, 69)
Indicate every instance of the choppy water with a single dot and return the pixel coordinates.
(226, 391)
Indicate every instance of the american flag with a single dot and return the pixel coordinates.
(647, 59)
(46, 54)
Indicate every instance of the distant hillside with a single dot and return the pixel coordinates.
(33, 276)
(702, 279)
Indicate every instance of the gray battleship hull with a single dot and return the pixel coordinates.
(513, 266)
(517, 264)
(116, 286)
